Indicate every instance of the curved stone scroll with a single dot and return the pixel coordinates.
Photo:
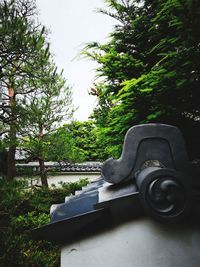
(147, 142)
(164, 193)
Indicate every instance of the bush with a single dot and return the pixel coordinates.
(72, 187)
(21, 210)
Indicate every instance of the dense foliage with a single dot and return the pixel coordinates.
(21, 210)
(149, 70)
(75, 142)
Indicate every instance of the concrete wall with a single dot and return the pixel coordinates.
(140, 243)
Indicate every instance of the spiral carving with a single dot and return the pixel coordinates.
(164, 193)
(166, 196)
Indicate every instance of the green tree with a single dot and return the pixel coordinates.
(22, 49)
(44, 113)
(160, 40)
(85, 136)
(63, 146)
(76, 142)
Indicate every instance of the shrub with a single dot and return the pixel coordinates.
(21, 210)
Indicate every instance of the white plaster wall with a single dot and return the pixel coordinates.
(140, 243)
(72, 177)
(65, 178)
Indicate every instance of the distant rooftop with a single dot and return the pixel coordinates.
(63, 166)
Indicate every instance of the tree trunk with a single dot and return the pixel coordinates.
(12, 137)
(11, 162)
(43, 174)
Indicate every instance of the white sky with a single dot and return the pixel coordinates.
(73, 23)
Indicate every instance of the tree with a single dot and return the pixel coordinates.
(63, 146)
(86, 138)
(169, 90)
(45, 112)
(22, 50)
(160, 40)
(3, 160)
(76, 141)
(25, 50)
(120, 59)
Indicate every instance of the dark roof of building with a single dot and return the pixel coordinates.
(80, 167)
(152, 176)
(63, 166)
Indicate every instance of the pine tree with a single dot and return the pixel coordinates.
(45, 111)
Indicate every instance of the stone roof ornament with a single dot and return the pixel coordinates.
(144, 143)
(155, 157)
(152, 176)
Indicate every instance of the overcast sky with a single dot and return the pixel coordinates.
(73, 23)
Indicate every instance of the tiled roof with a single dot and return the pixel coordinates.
(94, 205)
(80, 167)
(62, 166)
(152, 176)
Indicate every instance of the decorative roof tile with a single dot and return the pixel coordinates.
(153, 175)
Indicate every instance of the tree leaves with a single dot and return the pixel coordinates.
(150, 67)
